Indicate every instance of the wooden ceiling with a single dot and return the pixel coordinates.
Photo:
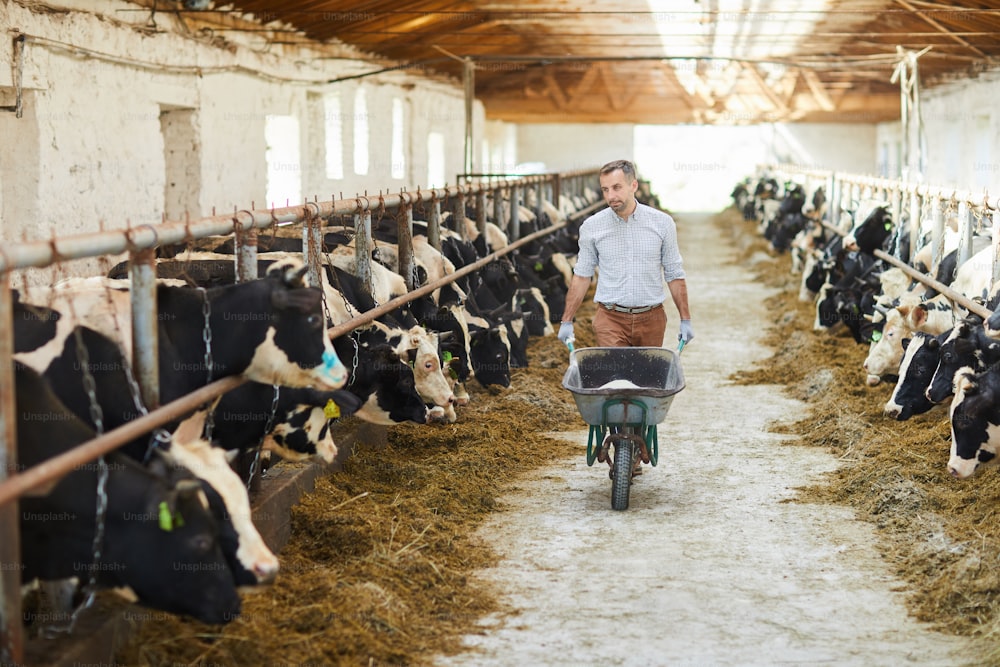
(662, 61)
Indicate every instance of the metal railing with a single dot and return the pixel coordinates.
(925, 206)
(140, 243)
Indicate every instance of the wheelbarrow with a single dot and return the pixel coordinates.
(623, 393)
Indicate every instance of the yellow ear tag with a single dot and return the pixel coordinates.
(331, 410)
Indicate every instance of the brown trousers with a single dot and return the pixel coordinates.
(614, 329)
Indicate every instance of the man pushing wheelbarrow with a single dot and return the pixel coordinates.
(623, 394)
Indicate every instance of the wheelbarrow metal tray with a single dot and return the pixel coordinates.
(655, 372)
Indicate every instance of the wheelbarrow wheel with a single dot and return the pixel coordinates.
(621, 480)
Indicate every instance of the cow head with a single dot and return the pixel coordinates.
(391, 395)
(490, 350)
(211, 464)
(419, 348)
(958, 349)
(920, 359)
(886, 353)
(173, 549)
(295, 350)
(975, 422)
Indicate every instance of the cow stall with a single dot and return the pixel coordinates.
(246, 228)
(900, 441)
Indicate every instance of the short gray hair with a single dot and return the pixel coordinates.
(626, 167)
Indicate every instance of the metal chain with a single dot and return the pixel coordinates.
(101, 513)
(206, 336)
(89, 384)
(336, 279)
(267, 429)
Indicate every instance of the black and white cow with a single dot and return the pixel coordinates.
(920, 360)
(385, 385)
(975, 420)
(161, 538)
(966, 345)
(278, 323)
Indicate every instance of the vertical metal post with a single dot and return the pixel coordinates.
(556, 190)
(498, 218)
(469, 81)
(964, 232)
(145, 331)
(11, 635)
(937, 235)
(996, 246)
(459, 217)
(916, 224)
(404, 243)
(362, 247)
(834, 207)
(246, 254)
(897, 219)
(312, 244)
(434, 225)
(514, 228)
(481, 211)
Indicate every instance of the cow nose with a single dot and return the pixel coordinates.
(892, 411)
(266, 572)
(953, 471)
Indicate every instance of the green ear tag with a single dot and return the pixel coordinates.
(331, 410)
(166, 521)
(446, 356)
(876, 336)
(538, 266)
(888, 226)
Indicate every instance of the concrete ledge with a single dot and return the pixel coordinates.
(104, 628)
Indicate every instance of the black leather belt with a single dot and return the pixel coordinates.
(626, 309)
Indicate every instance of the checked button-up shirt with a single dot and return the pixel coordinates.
(634, 256)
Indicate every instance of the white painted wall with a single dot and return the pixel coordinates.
(962, 133)
(90, 150)
(574, 146)
(694, 167)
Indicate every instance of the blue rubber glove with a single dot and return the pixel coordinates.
(566, 332)
(686, 333)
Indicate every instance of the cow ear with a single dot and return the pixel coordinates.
(964, 383)
(291, 272)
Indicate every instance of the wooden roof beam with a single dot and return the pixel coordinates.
(939, 27)
(779, 105)
(818, 91)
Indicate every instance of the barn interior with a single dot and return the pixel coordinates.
(128, 113)
(194, 95)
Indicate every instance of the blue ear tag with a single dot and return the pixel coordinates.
(330, 361)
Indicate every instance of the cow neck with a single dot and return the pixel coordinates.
(196, 357)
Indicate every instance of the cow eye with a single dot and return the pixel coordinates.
(313, 320)
(202, 543)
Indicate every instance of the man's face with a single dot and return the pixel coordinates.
(618, 192)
